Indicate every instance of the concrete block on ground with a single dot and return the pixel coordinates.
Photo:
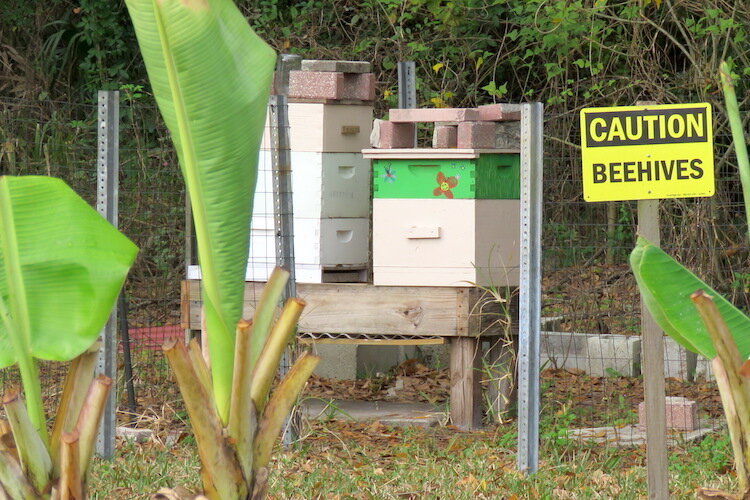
(678, 362)
(331, 85)
(499, 112)
(564, 350)
(390, 135)
(418, 115)
(476, 135)
(445, 136)
(614, 354)
(374, 358)
(336, 66)
(337, 361)
(681, 413)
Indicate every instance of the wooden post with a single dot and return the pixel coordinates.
(652, 344)
(466, 392)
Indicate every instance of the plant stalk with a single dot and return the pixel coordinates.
(279, 406)
(79, 379)
(734, 388)
(243, 415)
(87, 425)
(738, 134)
(268, 363)
(32, 451)
(71, 479)
(221, 473)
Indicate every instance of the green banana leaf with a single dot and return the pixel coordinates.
(666, 287)
(61, 268)
(211, 76)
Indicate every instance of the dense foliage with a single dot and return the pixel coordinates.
(568, 54)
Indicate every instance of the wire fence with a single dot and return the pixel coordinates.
(592, 379)
(591, 310)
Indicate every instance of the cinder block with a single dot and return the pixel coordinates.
(508, 135)
(445, 136)
(476, 135)
(613, 354)
(417, 115)
(336, 66)
(681, 413)
(389, 135)
(331, 85)
(499, 112)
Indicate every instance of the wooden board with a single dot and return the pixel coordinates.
(422, 153)
(368, 309)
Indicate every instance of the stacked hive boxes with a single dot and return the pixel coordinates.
(447, 215)
(330, 119)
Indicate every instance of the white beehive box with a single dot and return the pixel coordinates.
(441, 242)
(320, 245)
(329, 128)
(330, 185)
(324, 185)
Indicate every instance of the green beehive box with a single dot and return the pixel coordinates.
(489, 177)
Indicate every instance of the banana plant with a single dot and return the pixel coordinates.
(703, 321)
(61, 268)
(211, 76)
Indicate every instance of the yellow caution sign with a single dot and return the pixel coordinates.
(647, 152)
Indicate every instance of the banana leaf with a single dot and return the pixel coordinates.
(61, 268)
(666, 287)
(211, 76)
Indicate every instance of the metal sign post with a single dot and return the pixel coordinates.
(107, 168)
(530, 296)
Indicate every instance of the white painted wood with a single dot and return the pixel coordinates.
(324, 185)
(328, 185)
(421, 153)
(322, 242)
(477, 243)
(327, 127)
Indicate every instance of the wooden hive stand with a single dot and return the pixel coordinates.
(462, 317)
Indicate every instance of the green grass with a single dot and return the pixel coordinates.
(373, 461)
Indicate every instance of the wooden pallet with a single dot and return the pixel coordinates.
(364, 313)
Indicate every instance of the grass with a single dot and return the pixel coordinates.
(372, 461)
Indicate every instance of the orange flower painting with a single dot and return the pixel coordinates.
(445, 184)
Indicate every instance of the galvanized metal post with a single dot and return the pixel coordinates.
(530, 296)
(407, 84)
(107, 168)
(407, 87)
(283, 210)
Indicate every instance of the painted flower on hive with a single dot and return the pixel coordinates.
(445, 184)
(390, 175)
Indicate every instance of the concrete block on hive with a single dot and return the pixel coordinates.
(476, 135)
(336, 66)
(499, 112)
(445, 136)
(682, 414)
(332, 85)
(315, 84)
(417, 115)
(359, 87)
(390, 135)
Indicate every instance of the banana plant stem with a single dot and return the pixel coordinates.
(738, 134)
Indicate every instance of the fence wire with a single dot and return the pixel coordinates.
(591, 374)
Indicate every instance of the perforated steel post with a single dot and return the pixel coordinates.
(530, 296)
(107, 168)
(283, 210)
